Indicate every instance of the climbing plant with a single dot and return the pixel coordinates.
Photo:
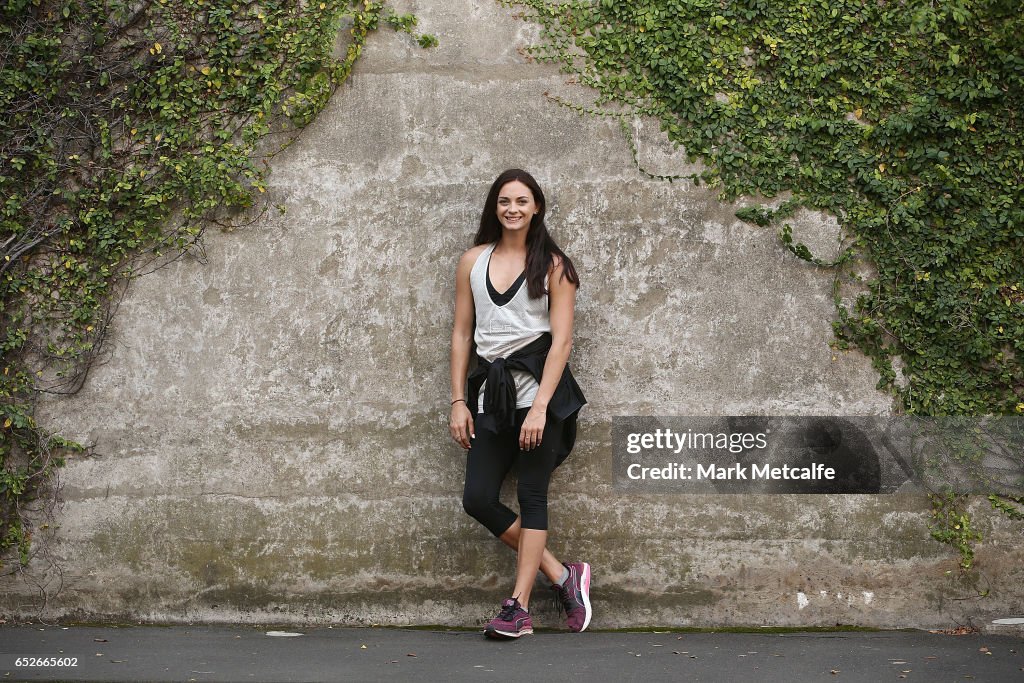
(126, 128)
(902, 119)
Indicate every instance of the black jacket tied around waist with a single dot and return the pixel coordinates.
(500, 396)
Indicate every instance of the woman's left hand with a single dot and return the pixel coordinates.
(533, 429)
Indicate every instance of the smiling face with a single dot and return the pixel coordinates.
(516, 206)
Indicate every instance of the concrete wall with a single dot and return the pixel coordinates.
(272, 422)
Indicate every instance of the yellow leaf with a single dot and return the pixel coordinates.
(7, 423)
(205, 71)
(158, 47)
(881, 168)
(858, 112)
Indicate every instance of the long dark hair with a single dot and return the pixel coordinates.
(540, 248)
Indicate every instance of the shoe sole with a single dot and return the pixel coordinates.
(585, 590)
(506, 635)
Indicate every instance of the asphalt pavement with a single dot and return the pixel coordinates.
(36, 652)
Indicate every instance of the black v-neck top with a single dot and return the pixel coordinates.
(503, 298)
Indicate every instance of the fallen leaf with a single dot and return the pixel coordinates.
(834, 671)
(411, 654)
(958, 631)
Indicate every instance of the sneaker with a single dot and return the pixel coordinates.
(512, 621)
(574, 596)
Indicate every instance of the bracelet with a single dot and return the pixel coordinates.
(457, 400)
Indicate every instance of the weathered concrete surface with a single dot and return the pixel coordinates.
(272, 423)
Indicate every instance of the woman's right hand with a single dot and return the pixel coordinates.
(460, 424)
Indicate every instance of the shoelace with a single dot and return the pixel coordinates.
(507, 611)
(563, 600)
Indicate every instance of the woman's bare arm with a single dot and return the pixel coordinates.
(460, 423)
(562, 297)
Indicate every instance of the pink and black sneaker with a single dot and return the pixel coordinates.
(574, 596)
(512, 621)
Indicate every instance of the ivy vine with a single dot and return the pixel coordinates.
(126, 127)
(902, 119)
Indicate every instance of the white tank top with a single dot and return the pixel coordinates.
(503, 330)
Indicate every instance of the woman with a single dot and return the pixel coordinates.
(520, 403)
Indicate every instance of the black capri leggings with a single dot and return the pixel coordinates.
(490, 458)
